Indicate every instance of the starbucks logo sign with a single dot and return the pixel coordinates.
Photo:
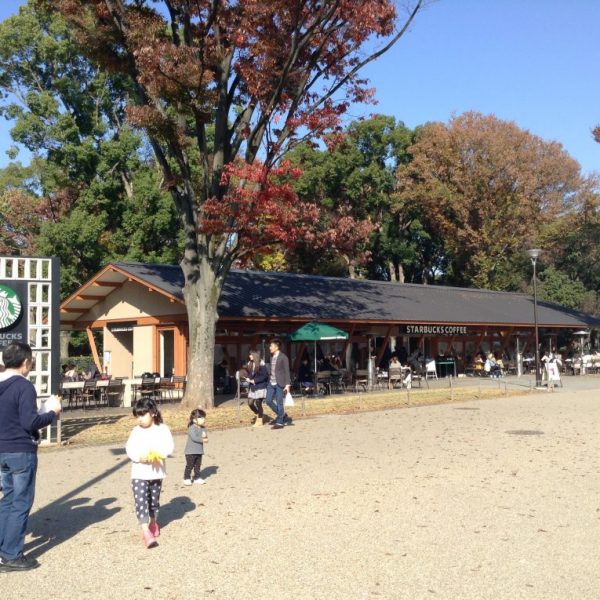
(10, 307)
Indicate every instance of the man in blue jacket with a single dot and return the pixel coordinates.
(19, 437)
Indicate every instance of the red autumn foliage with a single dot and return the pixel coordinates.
(20, 216)
(261, 212)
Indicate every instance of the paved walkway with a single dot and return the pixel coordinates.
(495, 499)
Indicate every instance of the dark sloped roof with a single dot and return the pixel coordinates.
(308, 297)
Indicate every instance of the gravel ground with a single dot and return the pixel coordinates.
(487, 499)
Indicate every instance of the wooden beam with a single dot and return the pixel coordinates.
(450, 347)
(92, 342)
(349, 341)
(478, 342)
(385, 344)
(108, 284)
(505, 336)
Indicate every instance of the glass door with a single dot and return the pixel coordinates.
(166, 352)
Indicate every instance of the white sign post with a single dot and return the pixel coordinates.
(30, 314)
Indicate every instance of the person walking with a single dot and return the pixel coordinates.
(258, 378)
(279, 383)
(19, 439)
(149, 443)
(194, 447)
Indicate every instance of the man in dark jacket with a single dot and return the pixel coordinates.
(19, 424)
(279, 382)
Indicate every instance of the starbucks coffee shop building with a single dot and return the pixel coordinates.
(140, 310)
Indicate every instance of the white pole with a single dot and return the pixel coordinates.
(316, 385)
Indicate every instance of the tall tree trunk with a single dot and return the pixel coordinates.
(351, 266)
(401, 276)
(65, 338)
(396, 272)
(201, 293)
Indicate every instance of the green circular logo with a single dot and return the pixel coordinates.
(10, 307)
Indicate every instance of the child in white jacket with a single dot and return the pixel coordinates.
(148, 445)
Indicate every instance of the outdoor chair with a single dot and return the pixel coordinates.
(89, 393)
(361, 380)
(179, 383)
(430, 370)
(346, 380)
(70, 395)
(336, 382)
(416, 377)
(114, 392)
(165, 389)
(149, 388)
(395, 377)
(324, 382)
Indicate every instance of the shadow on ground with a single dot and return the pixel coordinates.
(71, 426)
(69, 515)
(175, 509)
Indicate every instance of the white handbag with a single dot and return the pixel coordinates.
(288, 400)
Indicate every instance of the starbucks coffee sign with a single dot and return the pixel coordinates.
(436, 329)
(10, 307)
(13, 312)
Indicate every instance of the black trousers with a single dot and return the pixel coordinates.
(256, 406)
(192, 461)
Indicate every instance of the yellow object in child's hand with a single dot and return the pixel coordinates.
(154, 456)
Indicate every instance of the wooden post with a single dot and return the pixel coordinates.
(94, 349)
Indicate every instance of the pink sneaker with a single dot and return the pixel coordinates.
(154, 529)
(149, 539)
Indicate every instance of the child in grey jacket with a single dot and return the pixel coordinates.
(194, 448)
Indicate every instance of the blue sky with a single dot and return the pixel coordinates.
(534, 62)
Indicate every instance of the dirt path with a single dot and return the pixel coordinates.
(487, 499)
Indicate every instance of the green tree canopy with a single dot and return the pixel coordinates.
(94, 194)
(355, 173)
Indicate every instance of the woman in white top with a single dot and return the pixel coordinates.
(149, 443)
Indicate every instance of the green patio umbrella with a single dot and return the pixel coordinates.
(317, 332)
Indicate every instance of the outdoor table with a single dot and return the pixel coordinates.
(70, 391)
(72, 385)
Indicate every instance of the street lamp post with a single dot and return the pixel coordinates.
(533, 255)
